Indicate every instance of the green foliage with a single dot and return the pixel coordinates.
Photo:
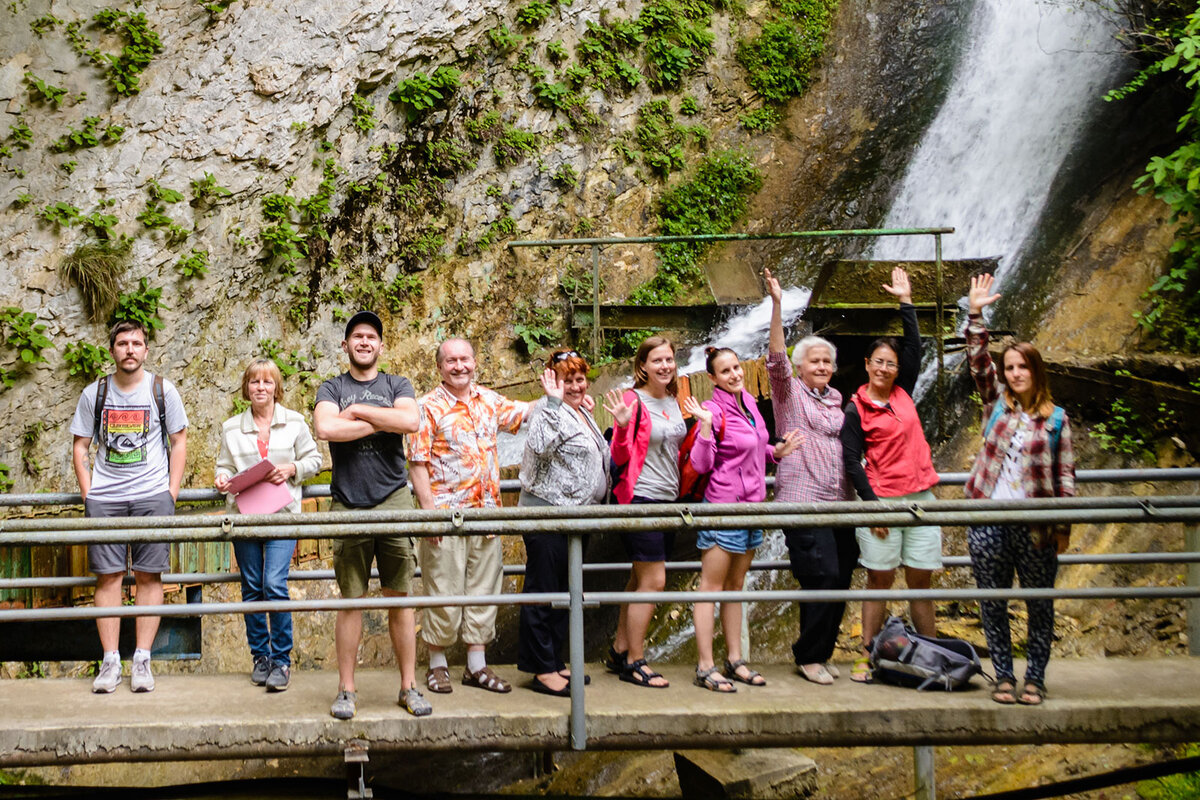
(761, 119)
(284, 244)
(278, 207)
(532, 327)
(42, 92)
(561, 97)
(364, 113)
(61, 214)
(24, 334)
(140, 45)
(535, 13)
(677, 39)
(69, 166)
(557, 52)
(96, 268)
(20, 134)
(485, 128)
(317, 207)
(660, 139)
(711, 202)
(515, 145)
(89, 135)
(86, 361)
(162, 193)
(140, 305)
(401, 291)
(448, 157)
(601, 52)
(1181, 786)
(100, 223)
(566, 177)
(206, 190)
(289, 363)
(6, 481)
(422, 93)
(194, 264)
(29, 439)
(504, 40)
(22, 200)
(215, 8)
(154, 216)
(44, 24)
(780, 61)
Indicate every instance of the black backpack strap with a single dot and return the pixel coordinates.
(101, 399)
(160, 400)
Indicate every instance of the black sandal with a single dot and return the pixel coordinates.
(1035, 691)
(615, 663)
(639, 674)
(752, 678)
(711, 679)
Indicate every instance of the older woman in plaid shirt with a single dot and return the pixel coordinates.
(821, 558)
(1026, 453)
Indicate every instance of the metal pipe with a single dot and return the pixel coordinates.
(595, 303)
(940, 338)
(601, 598)
(924, 773)
(1191, 542)
(575, 644)
(948, 562)
(727, 237)
(1168, 474)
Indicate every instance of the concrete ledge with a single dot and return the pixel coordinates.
(223, 716)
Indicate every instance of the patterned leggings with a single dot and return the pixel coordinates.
(995, 551)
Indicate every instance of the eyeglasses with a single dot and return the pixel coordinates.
(879, 363)
(558, 357)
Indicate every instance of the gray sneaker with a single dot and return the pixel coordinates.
(415, 703)
(108, 678)
(344, 705)
(280, 677)
(140, 677)
(262, 668)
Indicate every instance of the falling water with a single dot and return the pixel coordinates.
(1032, 74)
(746, 333)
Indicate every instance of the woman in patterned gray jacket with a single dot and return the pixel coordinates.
(565, 463)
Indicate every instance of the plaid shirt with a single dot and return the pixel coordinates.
(457, 439)
(814, 471)
(1043, 475)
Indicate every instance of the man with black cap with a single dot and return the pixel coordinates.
(363, 413)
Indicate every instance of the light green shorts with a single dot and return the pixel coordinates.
(393, 554)
(916, 546)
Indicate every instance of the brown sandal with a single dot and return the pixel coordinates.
(486, 679)
(438, 680)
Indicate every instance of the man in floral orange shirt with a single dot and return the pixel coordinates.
(455, 464)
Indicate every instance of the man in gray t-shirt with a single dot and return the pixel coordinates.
(137, 472)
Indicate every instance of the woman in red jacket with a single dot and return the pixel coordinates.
(648, 428)
(882, 428)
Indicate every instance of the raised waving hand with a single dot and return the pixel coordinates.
(980, 294)
(899, 287)
(614, 404)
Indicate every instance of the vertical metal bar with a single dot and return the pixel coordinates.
(1191, 543)
(941, 335)
(924, 777)
(575, 639)
(595, 303)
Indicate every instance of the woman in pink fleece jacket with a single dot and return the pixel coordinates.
(733, 443)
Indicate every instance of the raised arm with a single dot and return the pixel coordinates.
(775, 340)
(910, 345)
(983, 370)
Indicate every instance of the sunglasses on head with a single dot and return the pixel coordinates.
(557, 357)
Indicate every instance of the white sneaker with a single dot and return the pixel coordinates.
(140, 678)
(109, 677)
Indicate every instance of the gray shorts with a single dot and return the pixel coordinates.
(106, 559)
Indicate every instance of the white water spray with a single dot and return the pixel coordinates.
(746, 333)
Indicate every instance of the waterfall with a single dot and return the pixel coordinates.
(1031, 75)
(746, 333)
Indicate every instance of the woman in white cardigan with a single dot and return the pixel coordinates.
(267, 430)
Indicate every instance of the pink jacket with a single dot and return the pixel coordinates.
(739, 460)
(628, 448)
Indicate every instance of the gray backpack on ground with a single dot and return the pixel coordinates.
(901, 656)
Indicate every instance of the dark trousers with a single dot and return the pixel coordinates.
(822, 558)
(543, 629)
(996, 552)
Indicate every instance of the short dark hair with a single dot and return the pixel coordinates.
(890, 342)
(124, 326)
(711, 354)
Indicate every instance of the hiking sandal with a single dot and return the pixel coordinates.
(862, 672)
(752, 678)
(639, 674)
(438, 680)
(486, 679)
(615, 663)
(1032, 694)
(1004, 691)
(713, 681)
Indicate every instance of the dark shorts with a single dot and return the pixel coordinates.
(108, 559)
(648, 545)
(392, 554)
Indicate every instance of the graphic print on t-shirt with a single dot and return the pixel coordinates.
(125, 432)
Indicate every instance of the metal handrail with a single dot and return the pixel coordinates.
(1168, 474)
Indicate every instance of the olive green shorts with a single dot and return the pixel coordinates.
(393, 554)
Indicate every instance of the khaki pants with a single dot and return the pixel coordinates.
(460, 565)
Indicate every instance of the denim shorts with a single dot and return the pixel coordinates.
(916, 546)
(738, 541)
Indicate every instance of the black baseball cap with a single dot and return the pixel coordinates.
(370, 318)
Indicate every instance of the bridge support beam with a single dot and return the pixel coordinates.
(924, 774)
(1191, 543)
(575, 639)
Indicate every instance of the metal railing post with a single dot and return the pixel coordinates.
(595, 303)
(575, 639)
(1191, 543)
(924, 776)
(940, 340)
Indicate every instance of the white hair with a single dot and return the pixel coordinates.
(808, 343)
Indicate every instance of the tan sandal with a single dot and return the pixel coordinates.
(486, 679)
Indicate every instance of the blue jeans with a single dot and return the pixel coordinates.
(264, 566)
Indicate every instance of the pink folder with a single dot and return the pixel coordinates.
(256, 495)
